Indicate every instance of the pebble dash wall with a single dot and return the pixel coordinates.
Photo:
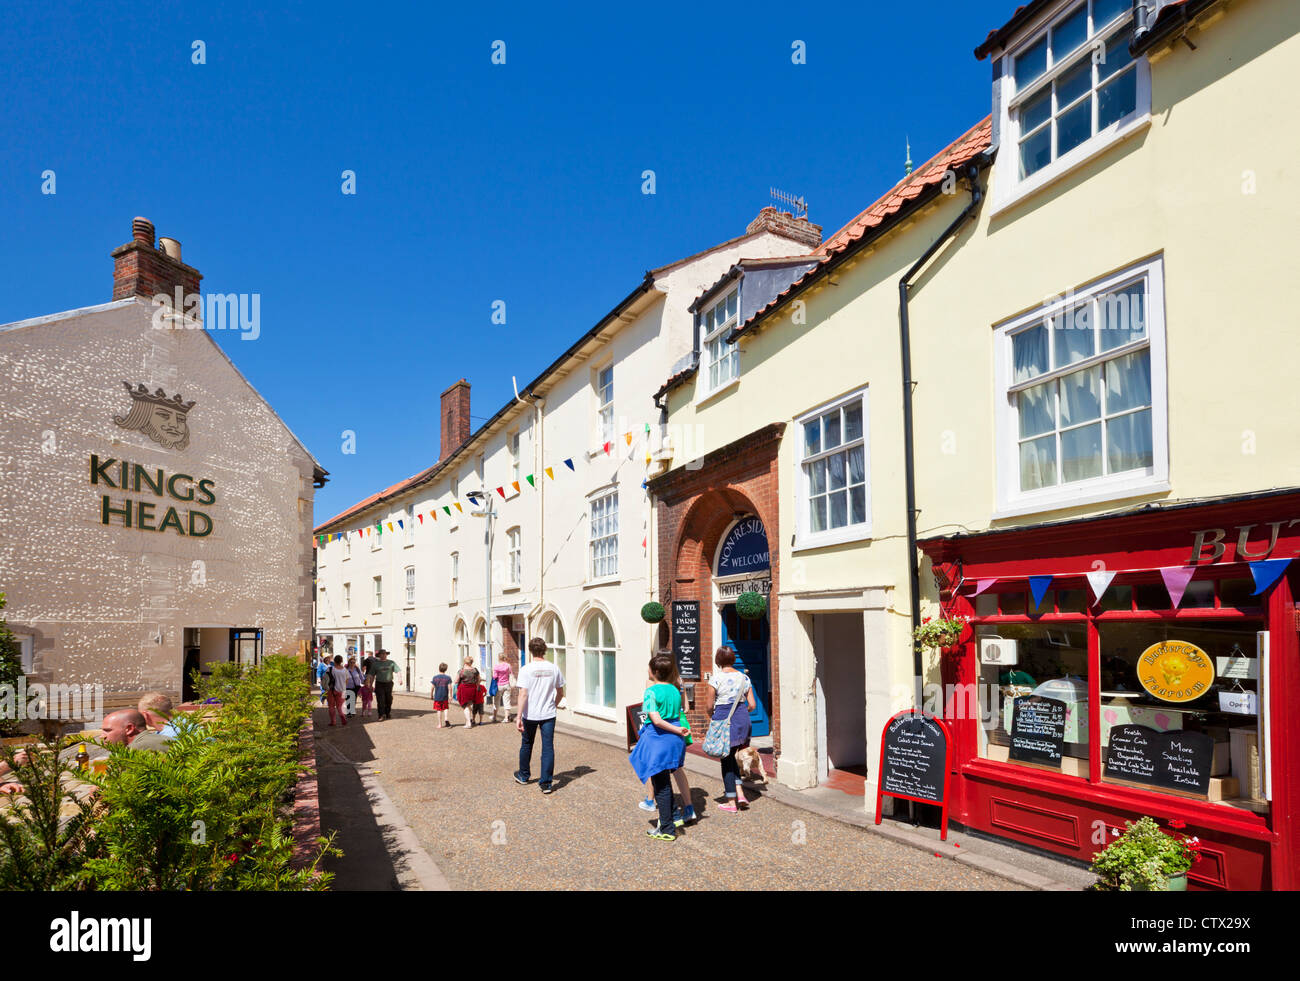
(106, 604)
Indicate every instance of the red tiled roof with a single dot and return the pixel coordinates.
(881, 214)
(387, 492)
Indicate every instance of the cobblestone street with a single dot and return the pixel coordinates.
(484, 831)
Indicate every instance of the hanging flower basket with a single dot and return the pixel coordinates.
(751, 606)
(652, 612)
(942, 633)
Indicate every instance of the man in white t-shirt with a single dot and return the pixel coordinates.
(541, 685)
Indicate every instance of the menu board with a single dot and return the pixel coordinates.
(1179, 761)
(1038, 730)
(914, 755)
(686, 638)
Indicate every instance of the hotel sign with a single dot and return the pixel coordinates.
(733, 587)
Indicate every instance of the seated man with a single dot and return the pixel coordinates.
(157, 710)
(128, 727)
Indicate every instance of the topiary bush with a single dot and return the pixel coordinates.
(652, 612)
(751, 606)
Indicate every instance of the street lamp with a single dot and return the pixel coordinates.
(486, 510)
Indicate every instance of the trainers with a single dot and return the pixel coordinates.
(647, 805)
(681, 819)
(730, 807)
(519, 779)
(662, 834)
(549, 789)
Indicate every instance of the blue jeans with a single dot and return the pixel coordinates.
(548, 749)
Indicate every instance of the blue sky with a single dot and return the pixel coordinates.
(475, 182)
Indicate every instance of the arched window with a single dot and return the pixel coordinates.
(462, 644)
(598, 662)
(553, 634)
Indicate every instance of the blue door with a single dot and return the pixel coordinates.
(748, 638)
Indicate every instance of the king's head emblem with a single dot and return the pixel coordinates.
(160, 418)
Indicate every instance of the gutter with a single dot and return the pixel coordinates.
(909, 465)
(1170, 24)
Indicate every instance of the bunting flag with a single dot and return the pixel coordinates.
(399, 524)
(629, 439)
(644, 540)
(421, 517)
(569, 463)
(1038, 587)
(1176, 579)
(390, 526)
(983, 584)
(473, 498)
(458, 507)
(647, 429)
(1267, 572)
(647, 459)
(550, 473)
(607, 445)
(515, 485)
(433, 515)
(1099, 581)
(502, 492)
(447, 509)
(529, 478)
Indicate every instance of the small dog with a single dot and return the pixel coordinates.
(751, 765)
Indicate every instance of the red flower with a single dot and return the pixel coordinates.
(1176, 823)
(232, 857)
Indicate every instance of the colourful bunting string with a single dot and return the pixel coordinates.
(1038, 587)
(983, 584)
(1176, 579)
(1267, 572)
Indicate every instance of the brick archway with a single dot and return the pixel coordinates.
(695, 509)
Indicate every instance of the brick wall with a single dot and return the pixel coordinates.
(455, 428)
(694, 509)
(142, 269)
(786, 225)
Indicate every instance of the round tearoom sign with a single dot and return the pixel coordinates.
(1175, 671)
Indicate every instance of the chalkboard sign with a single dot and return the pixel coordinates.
(1038, 730)
(686, 638)
(914, 762)
(1178, 761)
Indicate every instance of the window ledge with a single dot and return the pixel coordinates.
(607, 581)
(596, 712)
(718, 392)
(1062, 502)
(511, 589)
(841, 536)
(1071, 162)
(409, 545)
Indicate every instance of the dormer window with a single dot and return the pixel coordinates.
(1068, 91)
(721, 360)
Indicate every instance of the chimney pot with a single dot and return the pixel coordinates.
(142, 230)
(140, 268)
(170, 247)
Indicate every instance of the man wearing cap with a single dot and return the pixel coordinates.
(383, 670)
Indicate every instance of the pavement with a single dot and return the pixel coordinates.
(420, 808)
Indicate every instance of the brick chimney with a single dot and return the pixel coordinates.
(141, 268)
(786, 225)
(455, 419)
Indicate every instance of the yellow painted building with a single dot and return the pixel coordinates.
(1109, 329)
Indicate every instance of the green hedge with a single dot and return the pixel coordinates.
(212, 813)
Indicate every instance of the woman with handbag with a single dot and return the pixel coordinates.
(729, 729)
(467, 682)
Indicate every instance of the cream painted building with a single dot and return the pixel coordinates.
(1171, 188)
(157, 513)
(571, 552)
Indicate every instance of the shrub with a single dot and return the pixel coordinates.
(652, 612)
(751, 606)
(11, 667)
(1144, 857)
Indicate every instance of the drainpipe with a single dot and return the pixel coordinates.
(539, 454)
(909, 458)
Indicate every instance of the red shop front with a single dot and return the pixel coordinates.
(1173, 625)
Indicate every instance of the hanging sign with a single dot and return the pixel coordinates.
(686, 638)
(915, 757)
(1175, 671)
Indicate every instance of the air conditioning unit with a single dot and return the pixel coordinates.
(997, 650)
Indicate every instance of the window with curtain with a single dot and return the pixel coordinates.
(605, 403)
(1081, 389)
(598, 662)
(553, 634)
(410, 585)
(516, 557)
(604, 536)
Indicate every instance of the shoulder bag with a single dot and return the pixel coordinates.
(717, 741)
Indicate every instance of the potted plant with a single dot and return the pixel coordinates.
(942, 633)
(652, 612)
(751, 606)
(1146, 858)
